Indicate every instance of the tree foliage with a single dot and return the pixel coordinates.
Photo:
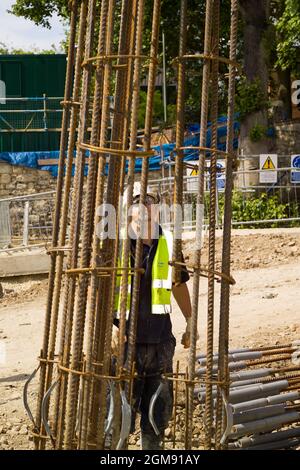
(288, 28)
(40, 11)
(281, 36)
(5, 49)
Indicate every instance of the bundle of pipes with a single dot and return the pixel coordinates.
(75, 369)
(261, 400)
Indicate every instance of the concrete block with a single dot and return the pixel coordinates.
(18, 170)
(24, 178)
(21, 186)
(5, 168)
(5, 178)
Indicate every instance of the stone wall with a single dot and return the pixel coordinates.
(288, 138)
(17, 180)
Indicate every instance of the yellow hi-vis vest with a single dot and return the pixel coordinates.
(161, 279)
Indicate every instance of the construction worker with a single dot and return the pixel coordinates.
(155, 342)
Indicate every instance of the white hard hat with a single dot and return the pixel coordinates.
(137, 191)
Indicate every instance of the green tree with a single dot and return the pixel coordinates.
(268, 45)
(41, 11)
(288, 28)
(4, 49)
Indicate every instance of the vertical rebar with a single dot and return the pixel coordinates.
(57, 213)
(178, 191)
(112, 197)
(77, 201)
(223, 374)
(130, 181)
(200, 202)
(212, 225)
(144, 178)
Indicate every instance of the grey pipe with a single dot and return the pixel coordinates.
(243, 383)
(235, 357)
(232, 351)
(284, 444)
(250, 392)
(251, 374)
(245, 442)
(264, 424)
(272, 400)
(231, 365)
(258, 413)
(257, 391)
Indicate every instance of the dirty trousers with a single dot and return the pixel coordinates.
(153, 360)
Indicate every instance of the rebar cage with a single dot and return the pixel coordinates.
(75, 370)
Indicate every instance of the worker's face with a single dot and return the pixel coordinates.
(144, 218)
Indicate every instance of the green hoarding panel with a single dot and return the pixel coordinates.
(31, 76)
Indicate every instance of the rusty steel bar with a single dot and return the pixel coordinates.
(212, 225)
(125, 115)
(104, 43)
(175, 405)
(144, 178)
(65, 345)
(225, 288)
(112, 197)
(56, 220)
(72, 393)
(178, 179)
(79, 411)
(133, 97)
(200, 202)
(65, 204)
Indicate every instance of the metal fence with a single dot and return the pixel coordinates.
(30, 114)
(26, 220)
(255, 204)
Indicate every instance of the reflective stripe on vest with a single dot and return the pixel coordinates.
(161, 279)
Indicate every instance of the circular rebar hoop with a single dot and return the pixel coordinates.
(112, 57)
(118, 152)
(204, 149)
(200, 269)
(211, 57)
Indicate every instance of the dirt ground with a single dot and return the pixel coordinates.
(265, 309)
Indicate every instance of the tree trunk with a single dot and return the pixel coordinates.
(283, 85)
(255, 14)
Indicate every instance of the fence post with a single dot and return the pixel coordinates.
(45, 111)
(26, 224)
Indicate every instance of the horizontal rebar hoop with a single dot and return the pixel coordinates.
(209, 57)
(117, 152)
(204, 149)
(201, 268)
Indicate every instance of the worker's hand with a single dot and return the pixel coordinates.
(115, 340)
(186, 337)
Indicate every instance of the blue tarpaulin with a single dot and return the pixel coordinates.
(164, 152)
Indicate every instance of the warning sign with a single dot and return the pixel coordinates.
(192, 182)
(192, 173)
(268, 165)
